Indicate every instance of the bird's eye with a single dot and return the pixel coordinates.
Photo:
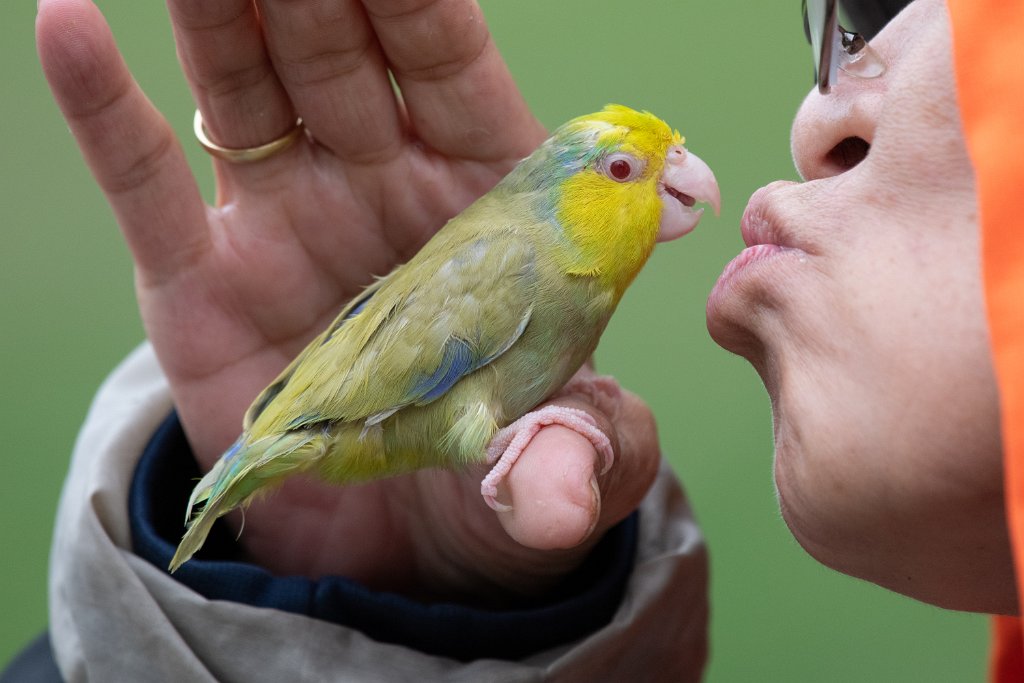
(621, 167)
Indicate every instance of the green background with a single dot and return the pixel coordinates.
(729, 74)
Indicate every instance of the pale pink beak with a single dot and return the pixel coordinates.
(685, 181)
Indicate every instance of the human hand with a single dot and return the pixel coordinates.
(230, 293)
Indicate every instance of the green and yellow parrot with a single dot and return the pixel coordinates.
(439, 363)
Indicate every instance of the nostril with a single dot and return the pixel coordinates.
(848, 153)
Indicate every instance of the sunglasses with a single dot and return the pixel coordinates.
(836, 48)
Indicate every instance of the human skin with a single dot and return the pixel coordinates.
(868, 329)
(230, 293)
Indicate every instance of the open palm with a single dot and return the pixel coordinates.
(230, 293)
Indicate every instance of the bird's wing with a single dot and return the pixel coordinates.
(267, 395)
(412, 337)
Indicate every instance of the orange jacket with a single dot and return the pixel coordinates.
(988, 53)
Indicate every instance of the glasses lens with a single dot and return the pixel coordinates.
(820, 24)
(836, 48)
(807, 28)
(816, 24)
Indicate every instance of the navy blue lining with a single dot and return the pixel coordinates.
(584, 602)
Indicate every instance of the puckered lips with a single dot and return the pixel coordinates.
(762, 235)
(685, 181)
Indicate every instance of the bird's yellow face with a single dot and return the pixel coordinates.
(636, 186)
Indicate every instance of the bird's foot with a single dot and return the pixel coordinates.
(509, 443)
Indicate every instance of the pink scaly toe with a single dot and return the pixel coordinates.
(509, 443)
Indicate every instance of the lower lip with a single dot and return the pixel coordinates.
(745, 262)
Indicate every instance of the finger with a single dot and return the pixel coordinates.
(330, 63)
(130, 148)
(227, 66)
(460, 96)
(558, 497)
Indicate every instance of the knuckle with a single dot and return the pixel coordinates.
(450, 64)
(439, 38)
(219, 82)
(323, 66)
(202, 15)
(141, 168)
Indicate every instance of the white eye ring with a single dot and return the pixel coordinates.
(621, 167)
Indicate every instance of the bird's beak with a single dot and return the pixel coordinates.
(685, 181)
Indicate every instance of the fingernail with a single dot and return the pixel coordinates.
(597, 505)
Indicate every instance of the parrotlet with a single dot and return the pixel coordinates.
(439, 363)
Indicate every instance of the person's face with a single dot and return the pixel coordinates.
(863, 313)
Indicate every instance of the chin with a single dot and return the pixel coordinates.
(951, 552)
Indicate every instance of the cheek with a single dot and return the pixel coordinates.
(886, 344)
(885, 406)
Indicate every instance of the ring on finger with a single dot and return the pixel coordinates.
(245, 155)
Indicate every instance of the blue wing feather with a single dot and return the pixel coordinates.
(457, 361)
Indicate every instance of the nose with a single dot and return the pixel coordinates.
(833, 133)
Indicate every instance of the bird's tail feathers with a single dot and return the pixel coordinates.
(243, 471)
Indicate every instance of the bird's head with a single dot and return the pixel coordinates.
(617, 181)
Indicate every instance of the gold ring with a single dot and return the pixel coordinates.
(245, 155)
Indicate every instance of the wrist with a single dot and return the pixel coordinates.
(579, 603)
